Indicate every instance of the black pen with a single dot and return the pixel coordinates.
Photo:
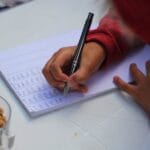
(78, 51)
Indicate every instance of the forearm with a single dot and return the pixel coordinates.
(114, 36)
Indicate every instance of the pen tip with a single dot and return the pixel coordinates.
(66, 90)
(91, 14)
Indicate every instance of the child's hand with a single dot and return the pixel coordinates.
(141, 90)
(91, 59)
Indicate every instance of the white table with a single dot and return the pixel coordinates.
(109, 122)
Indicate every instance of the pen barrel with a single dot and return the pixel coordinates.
(83, 35)
(77, 54)
(74, 66)
(78, 51)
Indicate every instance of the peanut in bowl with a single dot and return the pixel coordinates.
(2, 118)
(5, 114)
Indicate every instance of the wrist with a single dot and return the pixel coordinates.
(97, 48)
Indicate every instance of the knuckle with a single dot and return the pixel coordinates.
(82, 78)
(55, 54)
(45, 71)
(128, 89)
(55, 72)
(125, 87)
(53, 67)
(61, 49)
(57, 77)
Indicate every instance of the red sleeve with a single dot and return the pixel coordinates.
(116, 39)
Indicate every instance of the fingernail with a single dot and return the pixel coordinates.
(115, 78)
(133, 65)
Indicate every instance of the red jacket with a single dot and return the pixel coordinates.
(137, 15)
(116, 38)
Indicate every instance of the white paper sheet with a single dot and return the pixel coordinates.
(21, 68)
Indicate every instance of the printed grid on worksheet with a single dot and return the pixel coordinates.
(33, 91)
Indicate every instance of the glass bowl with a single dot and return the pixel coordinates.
(4, 105)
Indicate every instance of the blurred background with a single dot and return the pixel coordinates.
(5, 4)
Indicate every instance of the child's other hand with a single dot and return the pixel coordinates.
(91, 59)
(139, 91)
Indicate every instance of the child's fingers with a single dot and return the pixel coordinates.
(81, 88)
(57, 73)
(78, 80)
(51, 68)
(51, 80)
(136, 73)
(123, 85)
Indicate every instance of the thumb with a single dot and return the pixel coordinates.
(78, 79)
(80, 76)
